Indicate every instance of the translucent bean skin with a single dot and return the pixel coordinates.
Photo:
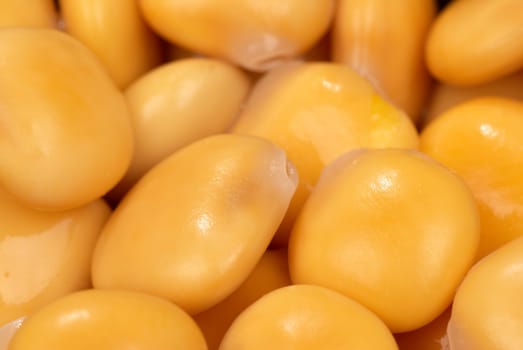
(316, 112)
(257, 35)
(487, 313)
(65, 133)
(108, 320)
(392, 229)
(480, 140)
(307, 318)
(196, 225)
(43, 255)
(7, 331)
(168, 112)
(116, 32)
(474, 42)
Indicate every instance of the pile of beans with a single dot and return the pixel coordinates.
(253, 174)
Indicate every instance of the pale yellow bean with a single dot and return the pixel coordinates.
(271, 273)
(384, 41)
(109, 320)
(307, 318)
(480, 140)
(27, 13)
(65, 131)
(255, 34)
(115, 31)
(487, 313)
(196, 225)
(177, 104)
(476, 41)
(392, 229)
(316, 112)
(44, 256)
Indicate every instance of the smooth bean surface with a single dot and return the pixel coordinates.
(488, 309)
(116, 32)
(384, 41)
(474, 42)
(44, 256)
(27, 13)
(177, 104)
(320, 174)
(108, 320)
(307, 317)
(65, 133)
(392, 229)
(270, 273)
(196, 225)
(255, 34)
(316, 112)
(481, 141)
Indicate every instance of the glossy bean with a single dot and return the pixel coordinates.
(270, 273)
(65, 133)
(44, 256)
(316, 112)
(107, 320)
(257, 35)
(474, 42)
(392, 229)
(168, 112)
(307, 318)
(196, 225)
(384, 41)
(487, 313)
(116, 32)
(481, 141)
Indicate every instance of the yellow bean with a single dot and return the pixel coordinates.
(27, 13)
(473, 42)
(320, 159)
(44, 256)
(487, 313)
(115, 31)
(307, 318)
(177, 104)
(65, 133)
(196, 225)
(385, 42)
(316, 112)
(446, 96)
(255, 34)
(108, 320)
(481, 141)
(392, 229)
(271, 273)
